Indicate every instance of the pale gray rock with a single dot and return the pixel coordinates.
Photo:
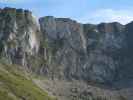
(19, 35)
(66, 39)
(61, 48)
(84, 51)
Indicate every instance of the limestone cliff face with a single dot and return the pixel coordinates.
(19, 35)
(61, 48)
(86, 52)
(105, 45)
(67, 43)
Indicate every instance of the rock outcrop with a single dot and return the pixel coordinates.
(84, 51)
(61, 48)
(19, 35)
(105, 43)
(67, 43)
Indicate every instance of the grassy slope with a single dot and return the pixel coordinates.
(15, 85)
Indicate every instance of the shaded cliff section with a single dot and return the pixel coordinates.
(61, 48)
(100, 53)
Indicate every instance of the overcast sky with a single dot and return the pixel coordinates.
(85, 11)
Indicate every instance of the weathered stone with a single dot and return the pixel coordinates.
(18, 34)
(66, 49)
(86, 52)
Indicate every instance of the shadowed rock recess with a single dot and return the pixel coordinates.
(63, 49)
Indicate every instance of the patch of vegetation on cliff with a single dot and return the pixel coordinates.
(16, 85)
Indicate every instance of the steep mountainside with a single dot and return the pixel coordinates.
(63, 50)
(19, 35)
(85, 51)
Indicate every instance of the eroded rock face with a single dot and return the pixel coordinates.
(66, 40)
(18, 35)
(105, 43)
(66, 49)
(86, 52)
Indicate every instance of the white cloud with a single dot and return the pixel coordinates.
(109, 15)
